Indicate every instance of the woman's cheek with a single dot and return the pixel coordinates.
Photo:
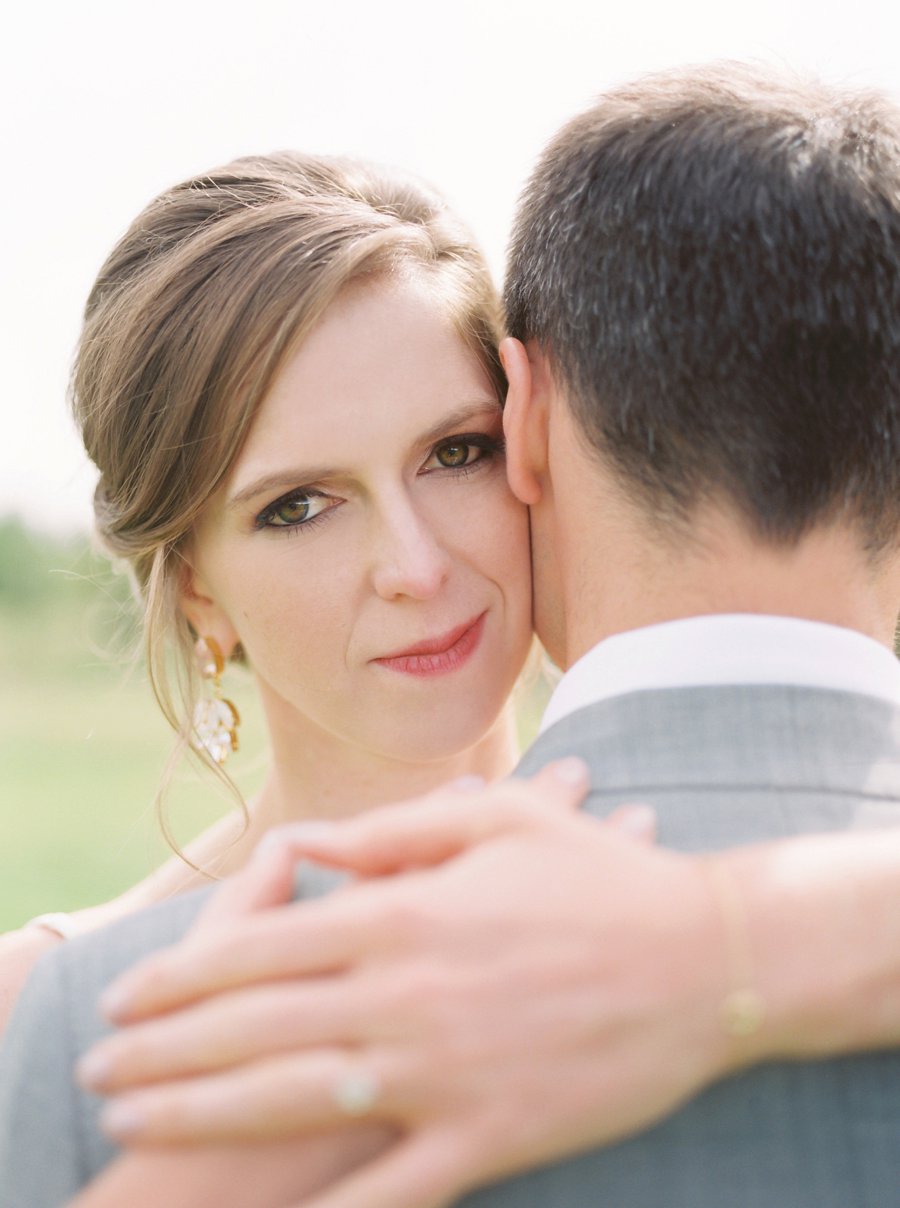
(514, 541)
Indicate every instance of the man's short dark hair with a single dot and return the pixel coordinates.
(711, 260)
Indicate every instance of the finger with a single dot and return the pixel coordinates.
(563, 784)
(281, 1096)
(267, 881)
(424, 833)
(321, 936)
(318, 833)
(424, 1171)
(236, 1027)
(638, 822)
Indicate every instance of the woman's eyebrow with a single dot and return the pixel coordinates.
(453, 421)
(288, 479)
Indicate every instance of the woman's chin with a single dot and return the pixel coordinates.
(437, 736)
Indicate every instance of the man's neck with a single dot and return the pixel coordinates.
(827, 576)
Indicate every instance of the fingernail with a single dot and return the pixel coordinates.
(467, 784)
(295, 834)
(93, 1070)
(638, 821)
(122, 1119)
(571, 771)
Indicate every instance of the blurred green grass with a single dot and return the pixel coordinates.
(82, 743)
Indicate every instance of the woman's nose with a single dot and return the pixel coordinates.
(409, 558)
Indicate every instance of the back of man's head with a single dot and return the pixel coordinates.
(711, 261)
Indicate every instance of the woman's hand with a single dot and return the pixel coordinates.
(458, 997)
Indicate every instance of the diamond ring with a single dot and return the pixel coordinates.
(356, 1093)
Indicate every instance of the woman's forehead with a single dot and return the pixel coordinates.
(384, 359)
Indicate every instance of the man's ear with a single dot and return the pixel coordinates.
(525, 415)
(205, 616)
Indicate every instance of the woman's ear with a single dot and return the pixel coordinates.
(205, 616)
(525, 419)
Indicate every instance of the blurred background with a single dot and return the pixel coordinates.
(101, 106)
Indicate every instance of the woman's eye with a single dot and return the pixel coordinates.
(455, 455)
(293, 511)
(463, 451)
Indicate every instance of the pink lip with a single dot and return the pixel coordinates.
(437, 656)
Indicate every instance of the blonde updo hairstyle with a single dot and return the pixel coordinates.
(190, 319)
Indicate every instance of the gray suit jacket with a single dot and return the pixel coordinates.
(722, 766)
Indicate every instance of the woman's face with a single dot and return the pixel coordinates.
(366, 551)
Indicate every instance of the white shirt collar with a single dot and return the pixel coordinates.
(727, 649)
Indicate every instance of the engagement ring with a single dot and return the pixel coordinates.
(356, 1094)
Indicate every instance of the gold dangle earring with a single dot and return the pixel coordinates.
(216, 720)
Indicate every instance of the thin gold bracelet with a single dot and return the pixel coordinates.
(743, 1009)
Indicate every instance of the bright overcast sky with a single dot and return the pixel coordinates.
(104, 104)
